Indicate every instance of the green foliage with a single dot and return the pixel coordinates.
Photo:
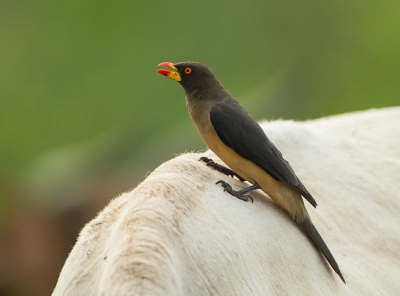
(72, 70)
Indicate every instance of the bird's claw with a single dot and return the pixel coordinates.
(206, 160)
(228, 188)
(225, 185)
(220, 168)
(246, 198)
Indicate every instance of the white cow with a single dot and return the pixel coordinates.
(178, 233)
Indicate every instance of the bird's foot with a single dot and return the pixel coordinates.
(237, 194)
(220, 168)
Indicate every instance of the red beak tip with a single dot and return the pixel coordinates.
(166, 64)
(163, 72)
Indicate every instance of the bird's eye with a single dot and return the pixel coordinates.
(188, 70)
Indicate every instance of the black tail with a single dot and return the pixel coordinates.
(312, 232)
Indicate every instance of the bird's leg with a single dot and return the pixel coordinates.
(220, 168)
(240, 193)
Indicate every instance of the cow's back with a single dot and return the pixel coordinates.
(178, 233)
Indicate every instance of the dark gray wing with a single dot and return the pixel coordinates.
(239, 131)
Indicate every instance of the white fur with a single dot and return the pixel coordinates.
(178, 233)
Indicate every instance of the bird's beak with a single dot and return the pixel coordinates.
(173, 75)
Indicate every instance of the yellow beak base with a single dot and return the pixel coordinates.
(171, 74)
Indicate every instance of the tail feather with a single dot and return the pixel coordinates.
(304, 192)
(312, 232)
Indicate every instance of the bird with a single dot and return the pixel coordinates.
(238, 140)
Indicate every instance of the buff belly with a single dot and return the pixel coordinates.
(285, 196)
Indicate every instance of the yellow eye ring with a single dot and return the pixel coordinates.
(188, 70)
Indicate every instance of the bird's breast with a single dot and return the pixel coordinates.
(238, 164)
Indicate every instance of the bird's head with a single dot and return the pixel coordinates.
(193, 76)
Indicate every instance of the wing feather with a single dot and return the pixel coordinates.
(239, 131)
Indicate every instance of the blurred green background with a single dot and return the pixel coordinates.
(84, 116)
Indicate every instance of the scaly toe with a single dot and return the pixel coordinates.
(245, 198)
(207, 160)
